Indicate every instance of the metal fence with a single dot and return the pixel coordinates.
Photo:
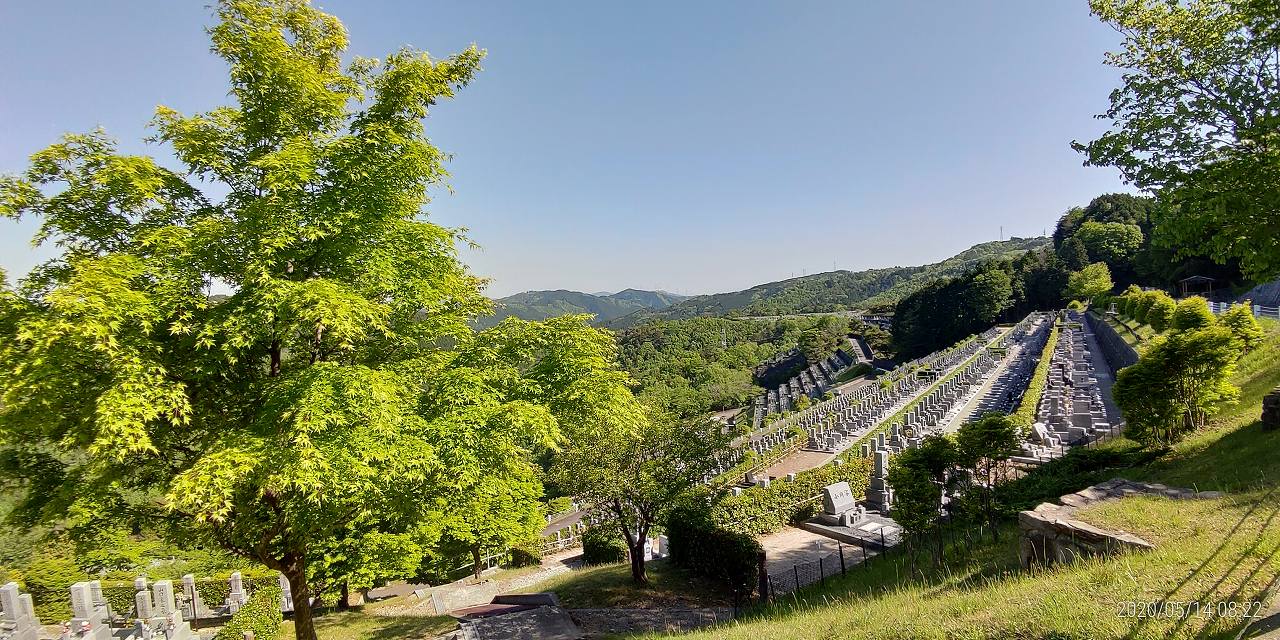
(846, 558)
(1259, 311)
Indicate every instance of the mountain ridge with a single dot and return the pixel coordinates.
(832, 290)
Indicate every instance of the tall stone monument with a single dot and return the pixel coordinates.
(236, 597)
(879, 495)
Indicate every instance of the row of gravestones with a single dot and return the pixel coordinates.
(847, 412)
(855, 423)
(811, 382)
(933, 408)
(779, 433)
(1007, 391)
(1071, 411)
(158, 611)
(834, 423)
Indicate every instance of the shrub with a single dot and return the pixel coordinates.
(1161, 312)
(601, 544)
(760, 510)
(557, 506)
(1192, 313)
(49, 578)
(1240, 321)
(1178, 383)
(1143, 306)
(526, 554)
(1075, 305)
(729, 558)
(261, 614)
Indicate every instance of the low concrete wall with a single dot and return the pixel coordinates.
(1115, 350)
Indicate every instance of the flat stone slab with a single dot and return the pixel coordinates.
(866, 534)
(540, 623)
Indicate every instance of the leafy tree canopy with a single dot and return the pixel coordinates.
(1196, 120)
(337, 393)
(1088, 283)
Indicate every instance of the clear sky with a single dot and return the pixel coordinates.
(690, 146)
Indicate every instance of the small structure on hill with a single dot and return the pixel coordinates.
(1196, 286)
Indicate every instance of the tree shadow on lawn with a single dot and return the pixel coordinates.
(1239, 459)
(1203, 597)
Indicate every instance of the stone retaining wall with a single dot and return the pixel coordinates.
(1117, 352)
(1271, 410)
(1050, 532)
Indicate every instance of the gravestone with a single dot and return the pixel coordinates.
(89, 618)
(142, 605)
(286, 594)
(878, 493)
(17, 616)
(236, 598)
(837, 498)
(167, 616)
(1271, 411)
(194, 605)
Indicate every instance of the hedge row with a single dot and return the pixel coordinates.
(761, 510)
(753, 462)
(601, 544)
(1026, 413)
(261, 614)
(729, 558)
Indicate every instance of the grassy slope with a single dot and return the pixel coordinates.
(357, 625)
(1206, 551)
(610, 586)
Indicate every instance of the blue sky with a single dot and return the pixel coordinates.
(690, 146)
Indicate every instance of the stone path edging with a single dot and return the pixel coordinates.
(1051, 533)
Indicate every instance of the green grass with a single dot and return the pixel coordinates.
(611, 586)
(359, 625)
(859, 370)
(1133, 333)
(1207, 551)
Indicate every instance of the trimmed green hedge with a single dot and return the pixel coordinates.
(603, 545)
(761, 510)
(702, 549)
(261, 614)
(1026, 413)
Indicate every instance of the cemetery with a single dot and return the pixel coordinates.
(251, 333)
(157, 609)
(1071, 411)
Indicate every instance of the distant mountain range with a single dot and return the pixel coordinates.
(821, 292)
(831, 291)
(540, 305)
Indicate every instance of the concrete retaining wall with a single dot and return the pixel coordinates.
(1115, 350)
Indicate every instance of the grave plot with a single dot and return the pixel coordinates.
(1071, 411)
(811, 382)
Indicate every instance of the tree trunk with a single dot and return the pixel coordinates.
(275, 358)
(295, 571)
(475, 561)
(637, 562)
(344, 599)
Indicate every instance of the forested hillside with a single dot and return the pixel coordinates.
(540, 305)
(832, 291)
(698, 365)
